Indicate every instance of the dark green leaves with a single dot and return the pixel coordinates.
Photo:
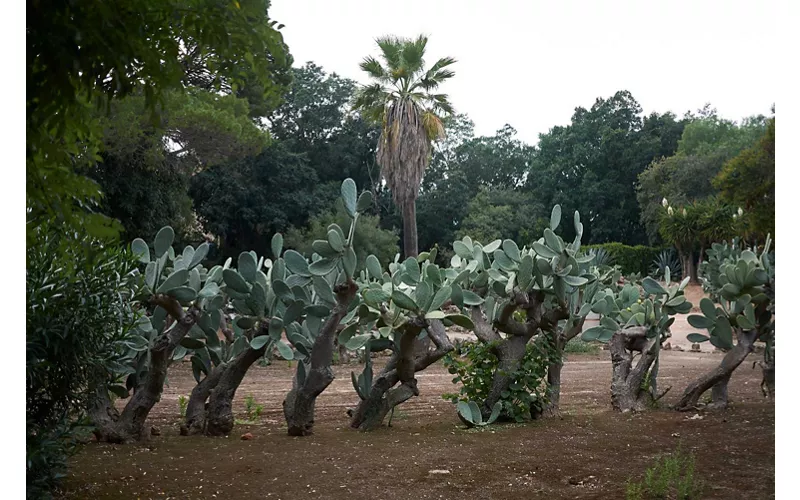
(652, 287)
(277, 245)
(403, 301)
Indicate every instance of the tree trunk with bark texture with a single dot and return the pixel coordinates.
(195, 421)
(298, 407)
(717, 379)
(627, 393)
(558, 341)
(410, 229)
(413, 355)
(129, 425)
(219, 417)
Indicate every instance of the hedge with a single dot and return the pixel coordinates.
(632, 259)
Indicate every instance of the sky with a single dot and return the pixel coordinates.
(531, 63)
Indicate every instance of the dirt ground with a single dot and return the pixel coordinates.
(587, 453)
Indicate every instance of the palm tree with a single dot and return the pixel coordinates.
(402, 100)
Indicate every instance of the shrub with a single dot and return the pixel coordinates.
(474, 365)
(672, 476)
(666, 258)
(631, 259)
(576, 345)
(78, 314)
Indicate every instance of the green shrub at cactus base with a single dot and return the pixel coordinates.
(474, 365)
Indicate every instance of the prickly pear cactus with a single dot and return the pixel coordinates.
(741, 287)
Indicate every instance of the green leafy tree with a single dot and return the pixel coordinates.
(146, 183)
(316, 120)
(90, 52)
(503, 214)
(78, 316)
(592, 165)
(246, 201)
(706, 144)
(402, 99)
(368, 238)
(748, 180)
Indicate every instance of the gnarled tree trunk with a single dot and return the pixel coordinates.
(298, 407)
(195, 421)
(558, 340)
(219, 416)
(129, 425)
(412, 356)
(717, 379)
(627, 393)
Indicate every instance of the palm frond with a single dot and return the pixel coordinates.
(371, 101)
(391, 48)
(433, 126)
(375, 69)
(413, 55)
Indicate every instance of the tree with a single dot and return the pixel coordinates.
(706, 144)
(503, 214)
(402, 100)
(748, 180)
(78, 318)
(146, 182)
(742, 283)
(369, 238)
(316, 120)
(93, 52)
(245, 201)
(592, 165)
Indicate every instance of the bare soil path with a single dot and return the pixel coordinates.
(588, 453)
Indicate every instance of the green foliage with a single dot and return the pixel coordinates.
(672, 476)
(503, 214)
(741, 286)
(474, 366)
(369, 238)
(183, 402)
(578, 346)
(88, 53)
(470, 413)
(748, 180)
(78, 320)
(252, 409)
(246, 201)
(666, 259)
(687, 176)
(630, 259)
(592, 165)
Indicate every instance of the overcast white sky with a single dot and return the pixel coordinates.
(530, 63)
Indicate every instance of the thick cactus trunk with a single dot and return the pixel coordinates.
(219, 418)
(414, 355)
(195, 422)
(299, 405)
(627, 393)
(129, 425)
(717, 379)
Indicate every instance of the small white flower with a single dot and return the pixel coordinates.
(665, 203)
(741, 212)
(669, 210)
(684, 212)
(734, 216)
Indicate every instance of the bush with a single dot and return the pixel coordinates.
(474, 365)
(672, 476)
(369, 237)
(78, 314)
(631, 259)
(577, 346)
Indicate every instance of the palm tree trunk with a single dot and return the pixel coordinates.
(410, 229)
